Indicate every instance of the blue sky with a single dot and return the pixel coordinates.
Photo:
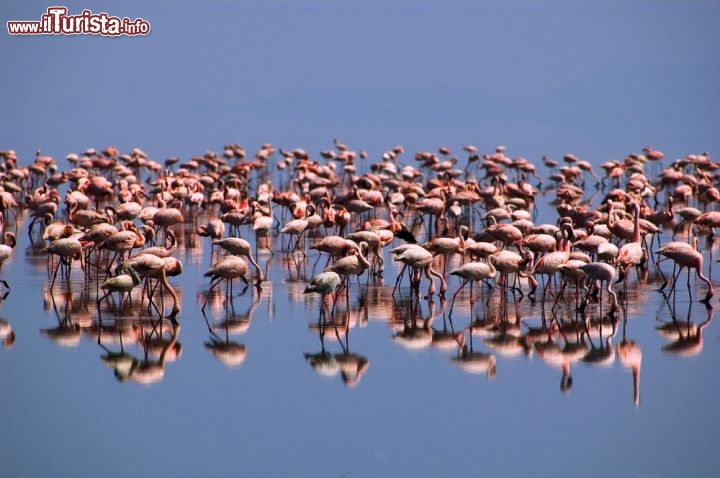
(600, 79)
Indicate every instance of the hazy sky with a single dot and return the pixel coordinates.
(600, 79)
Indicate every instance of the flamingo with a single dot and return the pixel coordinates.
(68, 249)
(120, 283)
(710, 220)
(227, 269)
(600, 272)
(687, 257)
(505, 233)
(420, 260)
(472, 272)
(509, 262)
(354, 264)
(6, 250)
(296, 227)
(214, 229)
(374, 242)
(550, 263)
(122, 241)
(84, 217)
(592, 242)
(621, 228)
(240, 247)
(688, 215)
(325, 283)
(631, 254)
(571, 270)
(445, 246)
(480, 249)
(58, 229)
(166, 217)
(151, 266)
(607, 252)
(262, 222)
(125, 211)
(539, 243)
(162, 251)
(335, 246)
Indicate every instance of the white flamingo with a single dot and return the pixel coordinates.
(121, 283)
(324, 283)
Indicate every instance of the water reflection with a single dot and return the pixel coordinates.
(412, 331)
(445, 337)
(68, 331)
(473, 361)
(504, 329)
(349, 365)
(686, 337)
(559, 344)
(158, 348)
(229, 352)
(137, 344)
(600, 333)
(487, 324)
(630, 356)
(7, 334)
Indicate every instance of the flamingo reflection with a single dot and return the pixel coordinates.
(689, 339)
(416, 332)
(472, 361)
(630, 356)
(228, 352)
(151, 369)
(351, 366)
(7, 334)
(68, 332)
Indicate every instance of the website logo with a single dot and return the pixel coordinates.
(57, 22)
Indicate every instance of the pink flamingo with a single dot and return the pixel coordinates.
(550, 263)
(600, 272)
(420, 260)
(687, 257)
(631, 254)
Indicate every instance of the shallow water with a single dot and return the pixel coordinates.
(391, 392)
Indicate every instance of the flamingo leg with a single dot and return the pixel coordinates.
(614, 305)
(711, 291)
(55, 275)
(452, 303)
(560, 292)
(213, 283)
(429, 272)
(672, 288)
(399, 278)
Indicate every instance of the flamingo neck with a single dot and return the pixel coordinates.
(611, 219)
(171, 291)
(363, 260)
(636, 385)
(133, 275)
(636, 224)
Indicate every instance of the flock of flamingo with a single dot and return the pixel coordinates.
(116, 217)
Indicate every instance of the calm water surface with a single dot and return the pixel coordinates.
(260, 389)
